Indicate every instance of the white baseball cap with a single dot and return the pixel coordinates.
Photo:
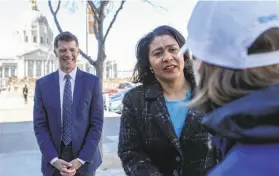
(220, 32)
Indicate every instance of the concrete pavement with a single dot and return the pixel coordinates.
(27, 163)
(19, 153)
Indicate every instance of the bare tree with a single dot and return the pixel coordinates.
(99, 9)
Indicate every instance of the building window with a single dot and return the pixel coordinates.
(35, 39)
(34, 26)
(52, 66)
(47, 41)
(25, 36)
(115, 70)
(48, 67)
(42, 40)
(107, 72)
(30, 68)
(1, 72)
(6, 73)
(13, 70)
(38, 68)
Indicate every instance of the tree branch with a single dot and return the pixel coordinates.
(95, 28)
(94, 9)
(103, 4)
(113, 20)
(149, 2)
(54, 14)
(58, 7)
(96, 14)
(88, 58)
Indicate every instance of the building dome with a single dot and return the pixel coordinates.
(33, 31)
(30, 18)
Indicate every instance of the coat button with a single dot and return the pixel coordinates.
(175, 173)
(177, 158)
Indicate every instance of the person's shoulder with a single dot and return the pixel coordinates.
(136, 91)
(46, 79)
(90, 76)
(134, 96)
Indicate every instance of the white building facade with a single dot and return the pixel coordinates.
(31, 53)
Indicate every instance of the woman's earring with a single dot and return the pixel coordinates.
(151, 70)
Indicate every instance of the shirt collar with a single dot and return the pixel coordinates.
(72, 74)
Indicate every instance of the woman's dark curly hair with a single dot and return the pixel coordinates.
(142, 73)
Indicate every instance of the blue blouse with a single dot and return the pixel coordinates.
(178, 112)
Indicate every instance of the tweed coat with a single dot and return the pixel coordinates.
(148, 145)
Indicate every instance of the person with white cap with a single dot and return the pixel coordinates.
(235, 51)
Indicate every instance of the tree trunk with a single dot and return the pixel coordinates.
(100, 72)
(100, 60)
(100, 69)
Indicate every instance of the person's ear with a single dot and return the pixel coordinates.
(55, 52)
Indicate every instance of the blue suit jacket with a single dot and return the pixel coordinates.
(88, 114)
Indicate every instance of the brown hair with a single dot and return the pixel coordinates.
(219, 85)
(65, 36)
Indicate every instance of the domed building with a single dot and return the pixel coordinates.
(31, 54)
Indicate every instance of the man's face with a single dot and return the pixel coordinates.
(67, 53)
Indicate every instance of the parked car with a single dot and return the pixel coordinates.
(119, 87)
(115, 101)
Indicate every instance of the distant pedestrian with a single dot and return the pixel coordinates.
(25, 93)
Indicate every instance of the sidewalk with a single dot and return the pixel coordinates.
(24, 159)
(27, 163)
(20, 155)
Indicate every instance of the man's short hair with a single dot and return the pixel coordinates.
(65, 36)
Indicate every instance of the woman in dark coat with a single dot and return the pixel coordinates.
(159, 136)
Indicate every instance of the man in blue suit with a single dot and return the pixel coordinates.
(68, 115)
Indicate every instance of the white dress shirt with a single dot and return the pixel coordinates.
(62, 82)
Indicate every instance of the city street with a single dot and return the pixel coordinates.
(19, 153)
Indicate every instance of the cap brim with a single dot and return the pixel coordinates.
(183, 50)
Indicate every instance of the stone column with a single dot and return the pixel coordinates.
(45, 69)
(3, 70)
(2, 78)
(38, 34)
(51, 66)
(34, 68)
(112, 69)
(25, 68)
(42, 67)
(54, 66)
(10, 74)
(16, 70)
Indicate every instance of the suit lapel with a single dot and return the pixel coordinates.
(77, 89)
(56, 96)
(157, 107)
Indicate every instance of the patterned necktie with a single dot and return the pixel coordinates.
(67, 111)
